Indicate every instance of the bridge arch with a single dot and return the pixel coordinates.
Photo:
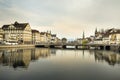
(101, 47)
(107, 47)
(64, 46)
(52, 46)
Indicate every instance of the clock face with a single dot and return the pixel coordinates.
(113, 37)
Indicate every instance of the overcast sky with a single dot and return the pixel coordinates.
(66, 18)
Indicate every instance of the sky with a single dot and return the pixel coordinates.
(66, 18)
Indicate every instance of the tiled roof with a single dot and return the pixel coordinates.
(5, 26)
(111, 31)
(53, 35)
(33, 31)
(107, 32)
(17, 25)
(42, 33)
(45, 33)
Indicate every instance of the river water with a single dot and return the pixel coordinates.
(58, 64)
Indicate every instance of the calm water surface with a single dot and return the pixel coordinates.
(55, 64)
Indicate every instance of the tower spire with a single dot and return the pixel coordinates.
(83, 35)
(96, 30)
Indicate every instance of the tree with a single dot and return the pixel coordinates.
(64, 40)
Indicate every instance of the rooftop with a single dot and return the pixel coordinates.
(17, 25)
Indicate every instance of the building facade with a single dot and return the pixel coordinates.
(1, 35)
(53, 38)
(17, 33)
(35, 37)
(109, 36)
(49, 36)
(115, 36)
(45, 37)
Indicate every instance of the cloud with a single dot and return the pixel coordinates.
(65, 17)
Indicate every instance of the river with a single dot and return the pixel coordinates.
(58, 64)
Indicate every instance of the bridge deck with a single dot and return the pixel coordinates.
(71, 44)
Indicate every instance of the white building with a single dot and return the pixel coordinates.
(35, 37)
(17, 33)
(1, 35)
(53, 38)
(115, 36)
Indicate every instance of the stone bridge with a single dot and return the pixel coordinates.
(79, 46)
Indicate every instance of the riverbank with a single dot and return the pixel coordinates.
(16, 46)
(109, 48)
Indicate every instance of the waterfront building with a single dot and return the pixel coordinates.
(102, 37)
(109, 36)
(1, 35)
(17, 33)
(105, 39)
(114, 36)
(99, 34)
(45, 37)
(54, 38)
(49, 37)
(58, 40)
(35, 37)
(92, 38)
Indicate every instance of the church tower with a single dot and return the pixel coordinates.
(96, 32)
(83, 35)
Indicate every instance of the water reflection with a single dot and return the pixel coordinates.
(110, 57)
(57, 64)
(22, 57)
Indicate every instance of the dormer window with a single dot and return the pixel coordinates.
(111, 31)
(11, 27)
